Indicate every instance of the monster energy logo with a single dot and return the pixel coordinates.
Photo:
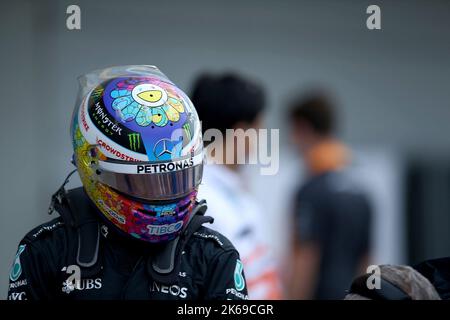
(187, 130)
(135, 141)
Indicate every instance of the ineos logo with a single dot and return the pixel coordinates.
(173, 290)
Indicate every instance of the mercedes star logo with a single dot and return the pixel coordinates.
(162, 147)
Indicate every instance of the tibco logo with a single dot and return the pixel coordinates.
(164, 228)
(174, 290)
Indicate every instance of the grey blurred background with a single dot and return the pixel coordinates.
(393, 87)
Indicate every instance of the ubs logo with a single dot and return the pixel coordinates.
(74, 281)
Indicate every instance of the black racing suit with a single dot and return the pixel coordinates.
(45, 267)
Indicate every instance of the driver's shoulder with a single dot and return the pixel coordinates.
(211, 241)
(52, 232)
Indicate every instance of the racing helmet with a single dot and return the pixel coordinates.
(138, 150)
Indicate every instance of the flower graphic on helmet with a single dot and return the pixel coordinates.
(146, 103)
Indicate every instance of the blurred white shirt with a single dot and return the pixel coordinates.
(238, 217)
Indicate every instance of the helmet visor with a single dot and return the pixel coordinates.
(152, 181)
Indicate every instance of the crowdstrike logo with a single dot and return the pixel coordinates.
(159, 230)
(83, 120)
(105, 146)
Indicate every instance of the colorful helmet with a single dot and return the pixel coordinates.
(138, 149)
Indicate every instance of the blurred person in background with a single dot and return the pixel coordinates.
(331, 214)
(396, 282)
(223, 102)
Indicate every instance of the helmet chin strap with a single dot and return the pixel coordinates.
(60, 193)
(164, 266)
(165, 261)
(75, 209)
